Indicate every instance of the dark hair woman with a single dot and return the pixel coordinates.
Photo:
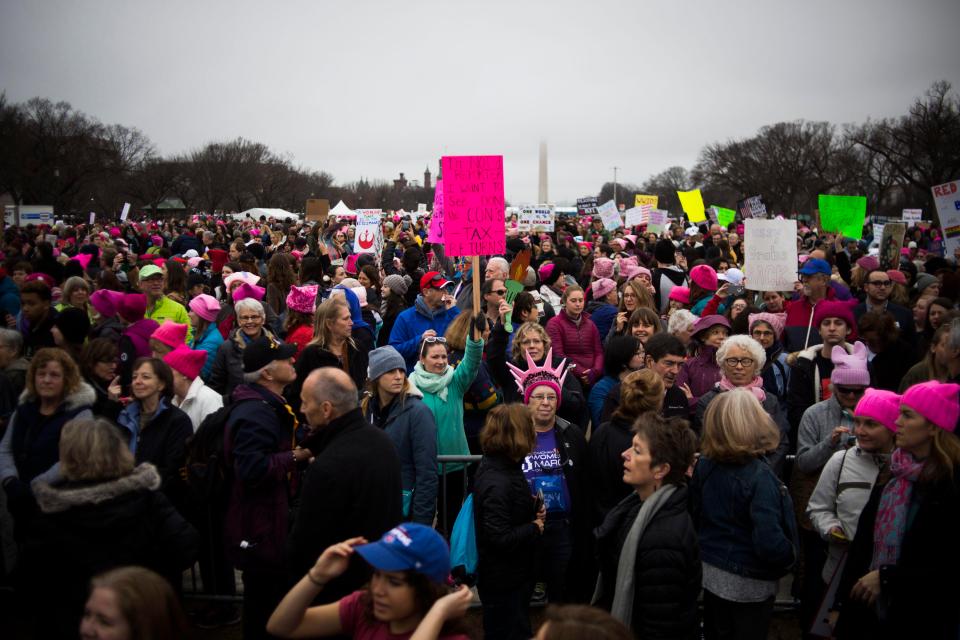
(892, 355)
(98, 365)
(280, 277)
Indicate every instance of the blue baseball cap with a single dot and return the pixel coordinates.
(815, 266)
(410, 547)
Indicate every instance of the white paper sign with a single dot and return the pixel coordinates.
(947, 198)
(912, 216)
(877, 231)
(369, 236)
(125, 212)
(610, 216)
(658, 221)
(637, 216)
(421, 207)
(536, 218)
(770, 254)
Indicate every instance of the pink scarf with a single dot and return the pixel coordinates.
(891, 522)
(755, 386)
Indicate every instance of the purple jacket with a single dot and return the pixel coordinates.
(701, 373)
(580, 344)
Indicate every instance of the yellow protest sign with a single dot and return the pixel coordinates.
(639, 200)
(692, 204)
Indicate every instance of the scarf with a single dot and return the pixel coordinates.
(427, 382)
(891, 522)
(425, 310)
(622, 608)
(755, 387)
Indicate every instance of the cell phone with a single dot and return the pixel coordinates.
(736, 290)
(405, 225)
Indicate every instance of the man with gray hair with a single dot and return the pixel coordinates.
(352, 488)
(258, 447)
(497, 269)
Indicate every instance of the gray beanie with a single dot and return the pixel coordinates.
(924, 280)
(384, 359)
(396, 283)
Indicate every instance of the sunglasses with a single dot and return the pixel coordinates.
(850, 391)
(431, 340)
(499, 292)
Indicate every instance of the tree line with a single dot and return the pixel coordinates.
(892, 161)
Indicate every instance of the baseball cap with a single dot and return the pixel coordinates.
(814, 266)
(263, 351)
(433, 279)
(149, 271)
(410, 547)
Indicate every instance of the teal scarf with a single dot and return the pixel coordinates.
(431, 382)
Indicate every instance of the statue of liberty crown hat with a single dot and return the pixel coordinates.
(536, 376)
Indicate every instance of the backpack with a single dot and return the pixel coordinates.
(207, 472)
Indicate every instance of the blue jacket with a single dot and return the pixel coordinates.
(9, 297)
(602, 314)
(210, 341)
(598, 394)
(745, 519)
(410, 325)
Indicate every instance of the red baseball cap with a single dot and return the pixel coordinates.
(433, 279)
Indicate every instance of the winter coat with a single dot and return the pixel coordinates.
(603, 315)
(258, 444)
(31, 444)
(807, 380)
(664, 280)
(210, 342)
(314, 356)
(889, 367)
(598, 394)
(814, 446)
(667, 572)
(162, 442)
(799, 332)
(552, 298)
(579, 343)
(104, 406)
(700, 372)
(480, 397)
(774, 409)
(199, 402)
(299, 336)
(503, 513)
(110, 328)
(14, 380)
(227, 372)
(9, 297)
(134, 343)
(411, 426)
(87, 528)
(166, 308)
(410, 325)
(352, 488)
(776, 373)
(902, 316)
(607, 444)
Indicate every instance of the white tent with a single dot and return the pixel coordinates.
(342, 211)
(255, 213)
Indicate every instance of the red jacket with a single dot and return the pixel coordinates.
(799, 332)
(580, 344)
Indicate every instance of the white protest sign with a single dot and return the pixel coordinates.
(947, 198)
(770, 254)
(536, 218)
(421, 208)
(369, 235)
(610, 215)
(636, 216)
(125, 212)
(912, 216)
(657, 221)
(877, 231)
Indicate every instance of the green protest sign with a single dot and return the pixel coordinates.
(843, 214)
(724, 216)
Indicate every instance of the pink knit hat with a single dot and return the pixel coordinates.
(834, 309)
(704, 276)
(536, 376)
(897, 276)
(242, 276)
(868, 263)
(935, 401)
(350, 265)
(247, 290)
(186, 361)
(680, 294)
(850, 368)
(629, 271)
(881, 406)
(132, 307)
(777, 321)
(602, 287)
(303, 299)
(83, 259)
(602, 268)
(106, 302)
(205, 306)
(170, 333)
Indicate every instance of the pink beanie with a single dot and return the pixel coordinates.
(603, 268)
(546, 270)
(247, 290)
(850, 368)
(897, 276)
(602, 287)
(881, 406)
(132, 307)
(350, 266)
(777, 321)
(303, 299)
(186, 361)
(205, 306)
(680, 294)
(243, 276)
(834, 309)
(935, 401)
(83, 259)
(868, 263)
(704, 276)
(170, 333)
(106, 302)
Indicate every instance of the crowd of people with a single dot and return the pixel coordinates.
(656, 439)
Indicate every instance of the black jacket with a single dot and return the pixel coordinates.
(503, 513)
(903, 316)
(352, 488)
(675, 404)
(607, 445)
(313, 357)
(667, 573)
(85, 529)
(921, 590)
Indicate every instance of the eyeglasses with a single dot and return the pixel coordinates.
(735, 362)
(881, 283)
(247, 319)
(849, 391)
(762, 334)
(543, 398)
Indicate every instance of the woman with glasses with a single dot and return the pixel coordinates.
(227, 370)
(741, 359)
(443, 388)
(766, 328)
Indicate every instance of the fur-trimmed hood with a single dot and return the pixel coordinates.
(55, 498)
(83, 396)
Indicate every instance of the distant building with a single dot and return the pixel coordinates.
(426, 178)
(401, 183)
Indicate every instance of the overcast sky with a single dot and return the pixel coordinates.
(370, 89)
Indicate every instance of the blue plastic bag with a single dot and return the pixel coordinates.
(463, 540)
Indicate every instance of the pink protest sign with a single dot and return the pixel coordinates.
(436, 220)
(473, 205)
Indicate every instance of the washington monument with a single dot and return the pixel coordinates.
(542, 196)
